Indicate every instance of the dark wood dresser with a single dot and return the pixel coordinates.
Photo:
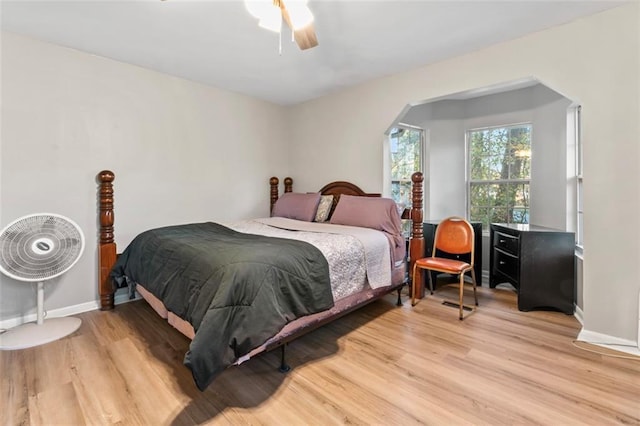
(539, 262)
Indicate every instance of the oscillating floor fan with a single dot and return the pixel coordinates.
(37, 248)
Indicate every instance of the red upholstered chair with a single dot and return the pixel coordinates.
(454, 235)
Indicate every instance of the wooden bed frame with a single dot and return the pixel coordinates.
(107, 252)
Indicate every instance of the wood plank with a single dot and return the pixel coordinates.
(14, 390)
(379, 365)
(56, 406)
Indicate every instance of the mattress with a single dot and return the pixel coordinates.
(346, 255)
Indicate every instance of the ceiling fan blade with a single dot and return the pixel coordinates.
(305, 37)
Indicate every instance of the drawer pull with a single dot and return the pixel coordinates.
(503, 241)
(502, 262)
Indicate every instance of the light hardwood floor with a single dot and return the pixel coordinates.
(380, 365)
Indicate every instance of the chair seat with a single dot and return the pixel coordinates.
(443, 265)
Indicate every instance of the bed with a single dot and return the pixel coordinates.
(274, 279)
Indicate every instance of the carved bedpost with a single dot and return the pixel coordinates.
(416, 248)
(106, 244)
(288, 184)
(273, 183)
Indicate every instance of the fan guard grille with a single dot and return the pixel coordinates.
(40, 247)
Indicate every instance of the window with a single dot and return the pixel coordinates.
(499, 172)
(406, 158)
(579, 189)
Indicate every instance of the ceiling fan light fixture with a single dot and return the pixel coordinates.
(268, 13)
(295, 13)
(259, 8)
(299, 13)
(271, 21)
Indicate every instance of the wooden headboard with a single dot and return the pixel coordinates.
(107, 251)
(336, 189)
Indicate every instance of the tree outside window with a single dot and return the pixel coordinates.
(499, 174)
(406, 158)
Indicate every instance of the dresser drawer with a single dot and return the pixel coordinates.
(505, 263)
(506, 242)
(538, 261)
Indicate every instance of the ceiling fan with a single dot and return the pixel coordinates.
(295, 13)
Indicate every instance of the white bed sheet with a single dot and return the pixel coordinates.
(345, 253)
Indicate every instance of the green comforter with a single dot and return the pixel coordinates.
(237, 290)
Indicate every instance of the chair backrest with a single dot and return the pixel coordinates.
(454, 235)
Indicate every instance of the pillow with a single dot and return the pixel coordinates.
(322, 214)
(376, 213)
(294, 205)
(369, 212)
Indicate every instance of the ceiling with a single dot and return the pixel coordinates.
(219, 44)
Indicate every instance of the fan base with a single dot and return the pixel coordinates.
(32, 334)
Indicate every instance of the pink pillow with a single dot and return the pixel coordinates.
(372, 212)
(368, 212)
(294, 205)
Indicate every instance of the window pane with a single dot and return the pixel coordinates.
(481, 214)
(580, 208)
(486, 154)
(520, 215)
(580, 224)
(499, 215)
(580, 233)
(500, 153)
(401, 192)
(521, 195)
(406, 152)
(520, 152)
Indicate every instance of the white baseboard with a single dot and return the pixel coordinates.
(610, 342)
(120, 297)
(53, 313)
(484, 279)
(579, 315)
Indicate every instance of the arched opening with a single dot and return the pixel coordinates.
(505, 153)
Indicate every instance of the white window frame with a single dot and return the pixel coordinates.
(579, 183)
(496, 181)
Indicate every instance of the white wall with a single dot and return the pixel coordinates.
(549, 152)
(447, 122)
(447, 166)
(594, 61)
(181, 152)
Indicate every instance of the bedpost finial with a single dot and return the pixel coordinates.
(106, 176)
(288, 184)
(417, 177)
(273, 183)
